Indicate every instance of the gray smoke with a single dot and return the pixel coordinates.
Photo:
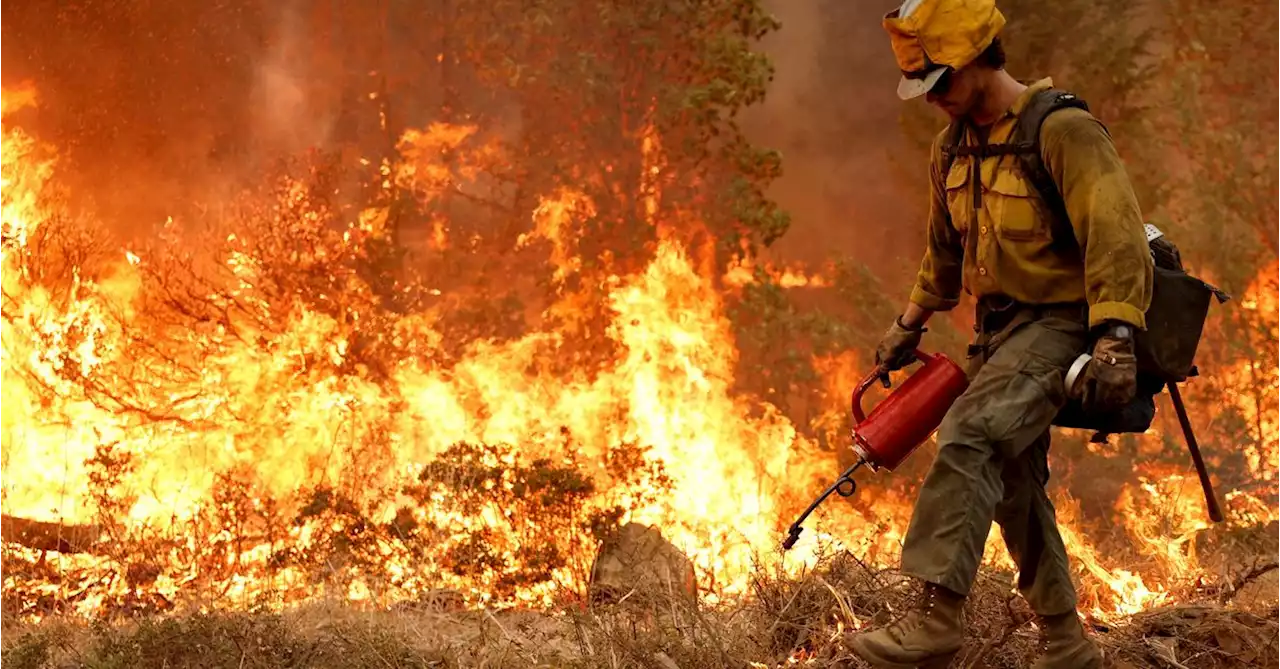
(287, 117)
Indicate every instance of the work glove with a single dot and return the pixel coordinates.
(896, 347)
(1111, 379)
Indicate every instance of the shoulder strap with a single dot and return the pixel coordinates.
(950, 145)
(1027, 134)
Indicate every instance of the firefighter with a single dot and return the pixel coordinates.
(1040, 305)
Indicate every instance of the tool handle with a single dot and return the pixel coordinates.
(855, 401)
(1210, 498)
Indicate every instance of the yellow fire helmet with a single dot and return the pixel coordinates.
(929, 36)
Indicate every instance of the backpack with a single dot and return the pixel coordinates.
(1179, 302)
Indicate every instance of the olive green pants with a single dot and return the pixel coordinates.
(992, 465)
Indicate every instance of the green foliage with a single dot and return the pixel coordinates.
(777, 342)
(594, 76)
(632, 104)
(761, 222)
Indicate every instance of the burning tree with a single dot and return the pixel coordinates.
(252, 401)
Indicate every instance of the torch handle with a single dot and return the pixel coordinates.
(1210, 498)
(855, 401)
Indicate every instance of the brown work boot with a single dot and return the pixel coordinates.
(927, 637)
(1065, 645)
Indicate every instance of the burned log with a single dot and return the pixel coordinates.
(46, 536)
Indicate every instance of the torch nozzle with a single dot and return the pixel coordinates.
(845, 486)
(793, 535)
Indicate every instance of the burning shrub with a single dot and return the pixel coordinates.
(542, 521)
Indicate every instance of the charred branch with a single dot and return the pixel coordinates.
(108, 398)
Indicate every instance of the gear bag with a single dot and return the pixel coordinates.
(1179, 302)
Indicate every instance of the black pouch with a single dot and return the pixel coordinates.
(1134, 417)
(1179, 308)
(1165, 350)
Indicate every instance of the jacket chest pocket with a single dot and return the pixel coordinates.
(1014, 207)
(959, 197)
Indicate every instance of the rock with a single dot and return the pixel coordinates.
(637, 564)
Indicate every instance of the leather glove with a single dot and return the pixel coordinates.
(897, 345)
(1111, 379)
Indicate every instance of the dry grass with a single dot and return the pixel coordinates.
(784, 617)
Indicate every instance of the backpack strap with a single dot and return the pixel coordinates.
(951, 145)
(1026, 144)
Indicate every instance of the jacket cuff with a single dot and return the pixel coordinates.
(926, 300)
(1116, 311)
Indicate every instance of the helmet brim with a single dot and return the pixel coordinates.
(909, 88)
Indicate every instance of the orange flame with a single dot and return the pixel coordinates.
(256, 396)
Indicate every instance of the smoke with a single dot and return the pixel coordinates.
(179, 104)
(854, 186)
(145, 101)
(286, 117)
(163, 109)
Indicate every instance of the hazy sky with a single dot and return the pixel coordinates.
(833, 113)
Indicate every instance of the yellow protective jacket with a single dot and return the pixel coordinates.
(1003, 247)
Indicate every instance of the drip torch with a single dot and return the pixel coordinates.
(896, 426)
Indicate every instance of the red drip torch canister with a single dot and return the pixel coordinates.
(897, 426)
(901, 422)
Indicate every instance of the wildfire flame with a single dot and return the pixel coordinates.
(183, 433)
(1260, 406)
(741, 273)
